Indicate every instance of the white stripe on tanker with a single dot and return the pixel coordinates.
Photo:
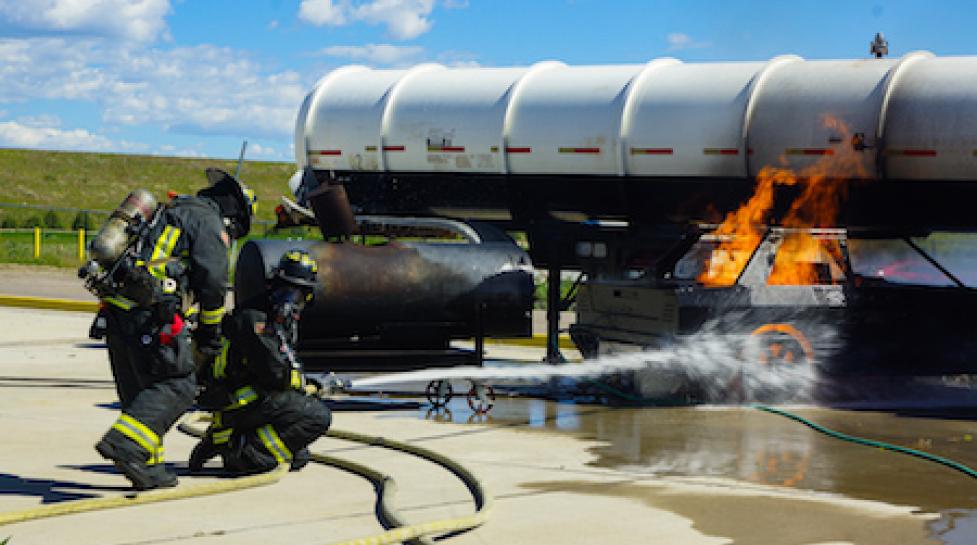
(661, 119)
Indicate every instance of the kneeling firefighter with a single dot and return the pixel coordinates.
(263, 413)
(151, 263)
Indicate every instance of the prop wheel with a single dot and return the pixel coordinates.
(439, 393)
(481, 398)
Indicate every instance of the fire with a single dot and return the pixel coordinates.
(743, 229)
(801, 259)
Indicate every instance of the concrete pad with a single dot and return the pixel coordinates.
(56, 394)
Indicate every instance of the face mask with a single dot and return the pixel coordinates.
(287, 303)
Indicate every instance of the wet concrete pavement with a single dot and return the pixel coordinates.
(561, 472)
(748, 446)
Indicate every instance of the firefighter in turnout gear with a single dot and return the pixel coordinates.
(179, 259)
(263, 413)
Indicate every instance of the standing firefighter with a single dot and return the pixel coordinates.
(263, 415)
(175, 257)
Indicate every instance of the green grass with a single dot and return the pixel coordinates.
(102, 180)
(99, 181)
(58, 249)
(539, 295)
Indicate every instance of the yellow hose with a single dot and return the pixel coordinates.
(416, 533)
(142, 498)
(386, 486)
(398, 530)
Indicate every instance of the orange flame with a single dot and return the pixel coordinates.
(801, 258)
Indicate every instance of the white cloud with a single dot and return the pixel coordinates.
(458, 59)
(134, 20)
(262, 151)
(375, 53)
(455, 4)
(198, 90)
(205, 90)
(42, 120)
(174, 151)
(17, 135)
(404, 19)
(323, 12)
(273, 24)
(680, 40)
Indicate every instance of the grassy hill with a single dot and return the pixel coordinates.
(102, 180)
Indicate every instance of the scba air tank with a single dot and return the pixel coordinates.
(116, 235)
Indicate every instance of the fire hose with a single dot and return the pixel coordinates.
(142, 498)
(397, 529)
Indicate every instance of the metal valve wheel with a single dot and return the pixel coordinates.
(439, 393)
(481, 398)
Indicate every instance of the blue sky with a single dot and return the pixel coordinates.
(196, 77)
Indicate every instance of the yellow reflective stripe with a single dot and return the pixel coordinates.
(150, 434)
(242, 396)
(223, 436)
(215, 419)
(141, 435)
(220, 362)
(161, 252)
(191, 311)
(245, 395)
(211, 317)
(121, 302)
(273, 443)
(296, 380)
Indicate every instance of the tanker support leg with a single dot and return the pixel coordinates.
(554, 303)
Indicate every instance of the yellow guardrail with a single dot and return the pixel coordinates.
(36, 237)
(47, 303)
(538, 341)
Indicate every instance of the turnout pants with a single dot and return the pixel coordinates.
(269, 431)
(155, 383)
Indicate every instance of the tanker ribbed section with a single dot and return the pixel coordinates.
(687, 120)
(913, 118)
(449, 121)
(807, 110)
(931, 123)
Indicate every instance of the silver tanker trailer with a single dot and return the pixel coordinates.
(622, 172)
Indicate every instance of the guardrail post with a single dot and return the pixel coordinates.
(37, 242)
(81, 244)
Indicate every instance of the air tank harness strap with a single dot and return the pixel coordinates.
(161, 257)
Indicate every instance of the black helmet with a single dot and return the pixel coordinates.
(236, 201)
(296, 267)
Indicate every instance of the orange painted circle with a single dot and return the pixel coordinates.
(793, 333)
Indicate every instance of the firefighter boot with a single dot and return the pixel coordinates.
(141, 475)
(202, 452)
(244, 458)
(301, 459)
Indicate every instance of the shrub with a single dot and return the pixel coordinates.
(83, 221)
(32, 222)
(8, 223)
(51, 220)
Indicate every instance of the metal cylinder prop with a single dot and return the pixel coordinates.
(402, 292)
